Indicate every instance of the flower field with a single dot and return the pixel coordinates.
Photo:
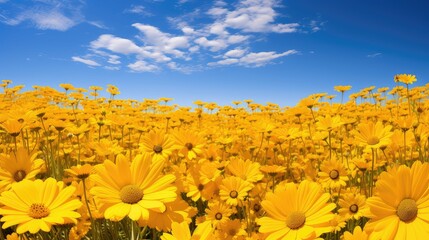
(75, 165)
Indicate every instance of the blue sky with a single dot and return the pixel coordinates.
(214, 51)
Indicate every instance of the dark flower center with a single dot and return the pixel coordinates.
(189, 146)
(19, 175)
(157, 148)
(354, 208)
(334, 174)
(233, 194)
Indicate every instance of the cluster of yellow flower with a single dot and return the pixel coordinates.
(74, 165)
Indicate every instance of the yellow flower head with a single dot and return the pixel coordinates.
(125, 189)
(297, 212)
(37, 205)
(405, 78)
(400, 208)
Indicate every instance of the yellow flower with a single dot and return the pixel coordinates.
(333, 174)
(37, 205)
(79, 171)
(405, 78)
(400, 208)
(246, 170)
(342, 88)
(373, 135)
(233, 190)
(358, 234)
(297, 212)
(158, 144)
(12, 126)
(218, 212)
(132, 190)
(352, 205)
(180, 231)
(19, 166)
(191, 145)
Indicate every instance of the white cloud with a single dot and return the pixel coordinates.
(227, 33)
(97, 24)
(218, 29)
(136, 9)
(194, 49)
(114, 59)
(252, 16)
(213, 45)
(188, 30)
(45, 15)
(113, 68)
(285, 28)
(374, 55)
(86, 61)
(235, 53)
(142, 66)
(52, 20)
(253, 59)
(234, 39)
(216, 11)
(116, 44)
(262, 58)
(152, 35)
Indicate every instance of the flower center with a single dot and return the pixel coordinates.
(256, 207)
(373, 140)
(83, 175)
(233, 194)
(200, 187)
(38, 210)
(131, 194)
(19, 175)
(295, 220)
(218, 216)
(407, 210)
(232, 232)
(354, 208)
(157, 148)
(189, 146)
(334, 174)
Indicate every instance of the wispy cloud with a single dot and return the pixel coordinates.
(138, 9)
(86, 61)
(223, 30)
(44, 15)
(373, 55)
(47, 14)
(250, 59)
(142, 66)
(97, 24)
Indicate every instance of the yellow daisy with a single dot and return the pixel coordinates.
(296, 212)
(373, 135)
(125, 189)
(180, 231)
(37, 205)
(333, 174)
(405, 78)
(400, 207)
(233, 190)
(158, 144)
(18, 166)
(358, 234)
